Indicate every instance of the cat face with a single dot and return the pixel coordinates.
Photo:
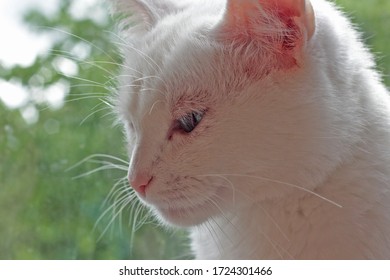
(197, 98)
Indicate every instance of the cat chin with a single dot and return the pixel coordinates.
(183, 217)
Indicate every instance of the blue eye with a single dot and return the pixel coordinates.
(190, 121)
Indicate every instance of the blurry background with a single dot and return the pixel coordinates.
(57, 63)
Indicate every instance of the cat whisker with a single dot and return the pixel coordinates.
(220, 229)
(112, 114)
(93, 83)
(252, 200)
(84, 98)
(139, 212)
(91, 157)
(80, 62)
(223, 214)
(274, 222)
(87, 94)
(117, 196)
(225, 179)
(93, 113)
(79, 38)
(107, 103)
(117, 191)
(142, 78)
(208, 226)
(273, 245)
(154, 104)
(103, 86)
(109, 163)
(248, 197)
(285, 184)
(121, 203)
(106, 167)
(146, 57)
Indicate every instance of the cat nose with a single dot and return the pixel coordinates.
(139, 182)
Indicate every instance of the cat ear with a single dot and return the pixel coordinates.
(279, 29)
(141, 15)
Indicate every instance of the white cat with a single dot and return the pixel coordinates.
(261, 125)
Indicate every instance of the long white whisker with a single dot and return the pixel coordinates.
(107, 167)
(272, 244)
(83, 98)
(213, 235)
(93, 113)
(70, 56)
(97, 156)
(282, 183)
(146, 57)
(118, 191)
(79, 38)
(122, 203)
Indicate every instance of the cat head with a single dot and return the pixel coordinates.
(199, 99)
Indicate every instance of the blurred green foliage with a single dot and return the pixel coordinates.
(44, 213)
(372, 17)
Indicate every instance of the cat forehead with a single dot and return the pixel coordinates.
(144, 111)
(167, 72)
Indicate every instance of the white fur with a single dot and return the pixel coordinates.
(295, 164)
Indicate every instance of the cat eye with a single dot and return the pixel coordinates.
(188, 122)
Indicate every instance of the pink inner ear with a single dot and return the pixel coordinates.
(289, 8)
(271, 30)
(277, 27)
(239, 10)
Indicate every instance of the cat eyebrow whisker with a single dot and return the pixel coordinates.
(90, 96)
(153, 105)
(149, 60)
(93, 83)
(79, 38)
(103, 86)
(154, 90)
(146, 57)
(139, 79)
(144, 89)
(94, 63)
(95, 111)
(83, 96)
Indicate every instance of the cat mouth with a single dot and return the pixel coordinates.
(188, 204)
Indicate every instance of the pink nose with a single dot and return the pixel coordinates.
(139, 182)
